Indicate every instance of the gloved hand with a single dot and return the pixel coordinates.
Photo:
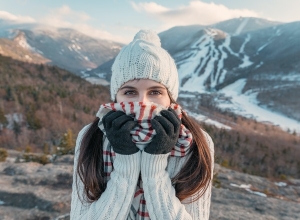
(118, 126)
(167, 127)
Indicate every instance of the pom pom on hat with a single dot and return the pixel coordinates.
(143, 58)
(148, 36)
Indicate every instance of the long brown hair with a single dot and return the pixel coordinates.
(193, 178)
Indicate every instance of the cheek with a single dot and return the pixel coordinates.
(119, 98)
(164, 101)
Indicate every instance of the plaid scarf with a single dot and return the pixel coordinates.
(141, 135)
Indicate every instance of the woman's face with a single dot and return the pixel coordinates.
(144, 90)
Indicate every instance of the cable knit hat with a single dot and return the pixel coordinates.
(144, 58)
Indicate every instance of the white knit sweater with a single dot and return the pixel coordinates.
(156, 171)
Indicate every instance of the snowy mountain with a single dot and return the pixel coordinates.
(258, 58)
(65, 48)
(264, 65)
(241, 25)
(249, 66)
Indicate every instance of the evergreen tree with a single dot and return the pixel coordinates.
(3, 119)
(67, 143)
(17, 129)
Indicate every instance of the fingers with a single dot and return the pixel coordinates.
(166, 125)
(171, 116)
(157, 127)
(109, 118)
(174, 112)
(129, 125)
(120, 121)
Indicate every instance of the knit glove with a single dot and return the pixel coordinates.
(167, 127)
(117, 127)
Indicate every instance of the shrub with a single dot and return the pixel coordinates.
(42, 159)
(216, 182)
(225, 163)
(3, 154)
(67, 144)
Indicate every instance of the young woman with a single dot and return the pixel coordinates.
(142, 157)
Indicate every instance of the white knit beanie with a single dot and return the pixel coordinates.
(144, 58)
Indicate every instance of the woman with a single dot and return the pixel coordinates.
(142, 157)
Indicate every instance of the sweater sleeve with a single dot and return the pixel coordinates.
(160, 195)
(116, 200)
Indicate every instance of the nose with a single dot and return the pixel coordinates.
(143, 98)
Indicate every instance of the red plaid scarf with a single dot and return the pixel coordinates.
(141, 135)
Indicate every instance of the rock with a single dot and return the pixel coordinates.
(227, 204)
(21, 168)
(66, 159)
(35, 191)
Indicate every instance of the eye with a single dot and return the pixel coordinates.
(155, 92)
(130, 92)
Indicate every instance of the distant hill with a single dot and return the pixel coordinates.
(14, 50)
(39, 103)
(66, 48)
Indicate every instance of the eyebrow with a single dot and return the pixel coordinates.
(152, 87)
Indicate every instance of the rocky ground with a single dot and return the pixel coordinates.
(241, 196)
(42, 192)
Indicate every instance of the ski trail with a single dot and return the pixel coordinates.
(241, 26)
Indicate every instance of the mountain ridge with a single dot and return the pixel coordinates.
(210, 59)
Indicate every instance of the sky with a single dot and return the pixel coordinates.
(119, 20)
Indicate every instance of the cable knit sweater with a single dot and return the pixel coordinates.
(156, 171)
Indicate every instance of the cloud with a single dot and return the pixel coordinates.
(65, 17)
(15, 18)
(196, 12)
(150, 7)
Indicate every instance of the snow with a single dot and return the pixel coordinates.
(27, 57)
(246, 59)
(204, 50)
(241, 27)
(23, 43)
(242, 186)
(115, 47)
(247, 39)
(227, 45)
(221, 73)
(76, 47)
(246, 62)
(281, 184)
(256, 193)
(1, 202)
(202, 118)
(291, 77)
(101, 75)
(270, 40)
(84, 74)
(247, 105)
(259, 65)
(11, 118)
(97, 81)
(195, 83)
(262, 47)
(186, 95)
(247, 188)
(278, 32)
